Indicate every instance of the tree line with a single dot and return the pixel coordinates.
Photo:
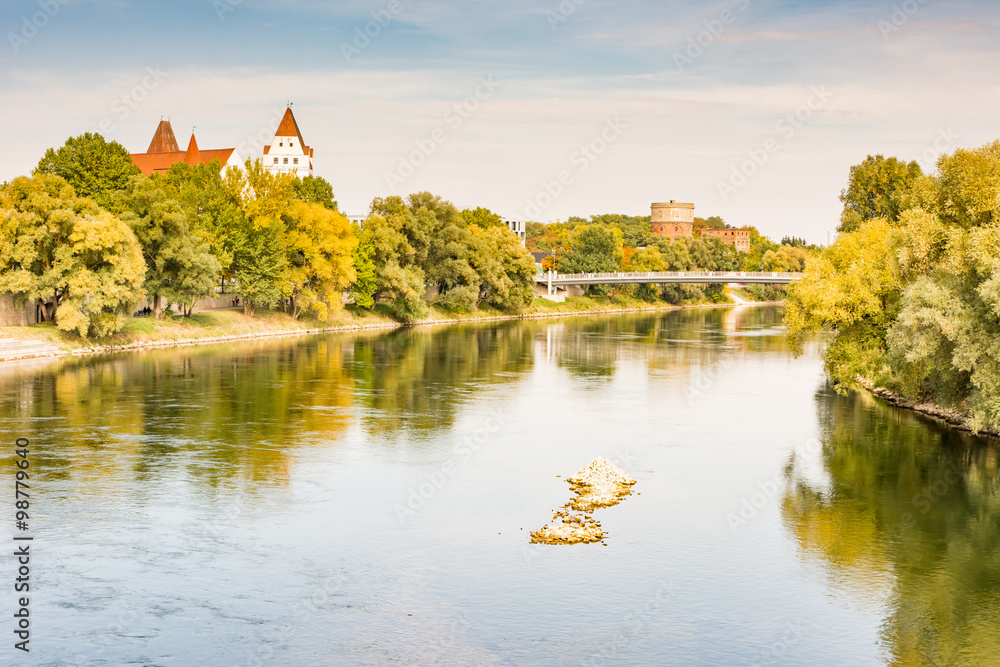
(87, 236)
(911, 287)
(610, 243)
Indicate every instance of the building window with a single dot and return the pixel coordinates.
(295, 161)
(286, 161)
(281, 143)
(677, 229)
(275, 160)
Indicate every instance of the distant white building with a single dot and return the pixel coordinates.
(517, 226)
(288, 154)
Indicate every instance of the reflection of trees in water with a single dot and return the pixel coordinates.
(920, 502)
(415, 380)
(224, 411)
(236, 412)
(677, 340)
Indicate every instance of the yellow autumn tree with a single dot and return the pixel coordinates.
(320, 244)
(79, 262)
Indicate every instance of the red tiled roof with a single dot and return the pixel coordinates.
(163, 140)
(289, 128)
(149, 164)
(159, 158)
(192, 156)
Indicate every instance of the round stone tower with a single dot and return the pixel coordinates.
(673, 220)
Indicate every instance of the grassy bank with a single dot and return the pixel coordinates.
(224, 325)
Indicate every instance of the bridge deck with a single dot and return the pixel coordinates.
(646, 277)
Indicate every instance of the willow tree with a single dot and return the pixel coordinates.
(914, 302)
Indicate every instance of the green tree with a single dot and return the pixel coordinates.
(969, 184)
(95, 168)
(315, 190)
(399, 278)
(593, 249)
(506, 270)
(875, 189)
(634, 229)
(65, 253)
(179, 266)
(647, 259)
(482, 217)
(256, 235)
(260, 263)
(366, 276)
(210, 212)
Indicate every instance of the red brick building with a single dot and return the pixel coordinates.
(734, 237)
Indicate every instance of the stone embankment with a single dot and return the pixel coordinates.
(950, 416)
(12, 348)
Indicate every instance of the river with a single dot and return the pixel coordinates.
(366, 498)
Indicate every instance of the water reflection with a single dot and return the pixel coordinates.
(238, 412)
(909, 515)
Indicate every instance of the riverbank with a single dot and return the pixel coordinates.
(223, 326)
(950, 416)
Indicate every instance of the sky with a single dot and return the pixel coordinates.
(753, 110)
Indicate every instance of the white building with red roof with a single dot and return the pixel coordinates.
(288, 153)
(163, 153)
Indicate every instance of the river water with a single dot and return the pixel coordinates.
(366, 499)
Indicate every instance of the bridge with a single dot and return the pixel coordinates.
(553, 281)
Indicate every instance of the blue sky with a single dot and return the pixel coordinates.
(588, 106)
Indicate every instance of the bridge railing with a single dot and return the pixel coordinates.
(676, 274)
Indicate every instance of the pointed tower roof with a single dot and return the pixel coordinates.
(289, 128)
(193, 155)
(164, 140)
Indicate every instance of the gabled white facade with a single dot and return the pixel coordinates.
(288, 154)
